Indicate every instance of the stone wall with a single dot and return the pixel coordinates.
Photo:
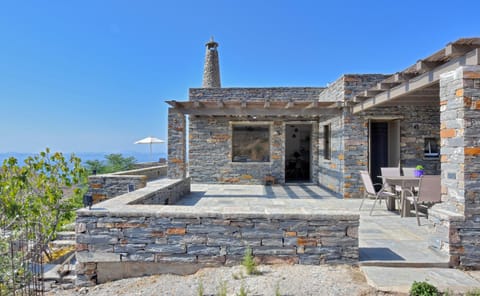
(107, 186)
(349, 142)
(210, 152)
(456, 219)
(169, 193)
(210, 155)
(177, 141)
(134, 240)
(151, 172)
(348, 137)
(252, 94)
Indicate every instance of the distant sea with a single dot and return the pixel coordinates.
(84, 156)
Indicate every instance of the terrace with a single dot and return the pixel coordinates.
(142, 232)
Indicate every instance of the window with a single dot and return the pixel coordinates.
(326, 142)
(432, 148)
(251, 143)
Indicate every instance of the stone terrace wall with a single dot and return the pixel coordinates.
(273, 93)
(117, 245)
(152, 172)
(107, 186)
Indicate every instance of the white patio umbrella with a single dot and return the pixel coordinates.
(150, 141)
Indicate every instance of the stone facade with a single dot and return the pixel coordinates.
(210, 138)
(457, 217)
(255, 94)
(350, 136)
(107, 186)
(177, 156)
(159, 240)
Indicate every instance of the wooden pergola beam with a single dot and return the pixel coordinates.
(455, 50)
(420, 82)
(425, 66)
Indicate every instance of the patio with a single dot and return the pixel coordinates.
(385, 239)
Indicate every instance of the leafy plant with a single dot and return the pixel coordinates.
(475, 292)
(36, 200)
(45, 191)
(277, 290)
(113, 163)
(222, 289)
(243, 291)
(423, 289)
(419, 167)
(249, 262)
(200, 288)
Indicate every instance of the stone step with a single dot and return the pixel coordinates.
(66, 235)
(62, 243)
(383, 263)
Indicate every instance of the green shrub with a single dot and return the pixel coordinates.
(222, 289)
(423, 289)
(249, 262)
(475, 292)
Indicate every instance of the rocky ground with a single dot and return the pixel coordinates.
(272, 280)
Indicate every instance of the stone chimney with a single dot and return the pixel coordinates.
(211, 70)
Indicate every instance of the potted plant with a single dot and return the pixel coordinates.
(419, 169)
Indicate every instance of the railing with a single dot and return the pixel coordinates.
(21, 260)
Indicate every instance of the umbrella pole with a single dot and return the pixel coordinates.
(151, 159)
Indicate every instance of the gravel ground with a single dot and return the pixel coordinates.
(273, 280)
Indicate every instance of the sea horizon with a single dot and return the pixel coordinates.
(85, 156)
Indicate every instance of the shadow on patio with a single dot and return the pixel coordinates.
(385, 239)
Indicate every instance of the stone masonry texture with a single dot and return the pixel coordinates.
(210, 138)
(457, 218)
(177, 165)
(211, 240)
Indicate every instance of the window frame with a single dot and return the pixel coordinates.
(264, 124)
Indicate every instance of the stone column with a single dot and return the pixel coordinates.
(177, 166)
(457, 218)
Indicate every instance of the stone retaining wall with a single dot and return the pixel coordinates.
(152, 172)
(107, 186)
(117, 239)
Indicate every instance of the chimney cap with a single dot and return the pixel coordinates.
(211, 44)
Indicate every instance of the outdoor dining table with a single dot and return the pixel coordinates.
(405, 182)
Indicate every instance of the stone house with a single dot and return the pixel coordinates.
(427, 114)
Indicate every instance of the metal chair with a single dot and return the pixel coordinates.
(370, 191)
(391, 172)
(429, 193)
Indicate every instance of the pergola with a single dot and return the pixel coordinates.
(256, 107)
(419, 83)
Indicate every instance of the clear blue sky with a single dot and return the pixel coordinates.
(92, 76)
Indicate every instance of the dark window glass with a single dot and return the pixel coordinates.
(250, 143)
(326, 142)
(432, 148)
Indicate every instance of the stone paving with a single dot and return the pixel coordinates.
(394, 251)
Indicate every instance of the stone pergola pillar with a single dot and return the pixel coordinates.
(177, 165)
(457, 218)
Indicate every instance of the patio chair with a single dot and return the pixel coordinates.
(429, 193)
(408, 172)
(391, 172)
(370, 191)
